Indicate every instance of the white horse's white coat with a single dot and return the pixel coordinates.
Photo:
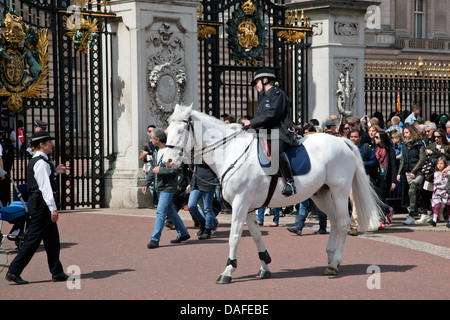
(336, 168)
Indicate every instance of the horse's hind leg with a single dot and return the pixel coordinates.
(336, 209)
(325, 203)
(342, 226)
(255, 231)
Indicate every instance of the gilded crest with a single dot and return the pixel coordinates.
(246, 34)
(82, 31)
(23, 61)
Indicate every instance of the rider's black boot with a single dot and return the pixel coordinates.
(286, 171)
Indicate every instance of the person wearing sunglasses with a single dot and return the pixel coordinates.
(385, 154)
(438, 147)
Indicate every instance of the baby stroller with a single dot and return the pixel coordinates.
(16, 213)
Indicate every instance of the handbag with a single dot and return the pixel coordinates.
(148, 164)
(430, 163)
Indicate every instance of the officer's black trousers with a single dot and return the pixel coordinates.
(41, 229)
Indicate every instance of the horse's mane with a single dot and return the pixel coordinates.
(181, 114)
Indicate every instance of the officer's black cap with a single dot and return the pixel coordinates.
(40, 123)
(263, 73)
(41, 136)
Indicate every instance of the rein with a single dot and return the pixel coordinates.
(205, 149)
(212, 147)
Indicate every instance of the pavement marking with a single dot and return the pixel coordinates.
(426, 247)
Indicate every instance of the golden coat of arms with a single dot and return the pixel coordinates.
(246, 32)
(23, 61)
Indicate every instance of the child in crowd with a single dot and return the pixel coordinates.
(397, 142)
(441, 189)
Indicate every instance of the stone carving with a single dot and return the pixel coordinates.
(166, 75)
(346, 29)
(317, 29)
(346, 91)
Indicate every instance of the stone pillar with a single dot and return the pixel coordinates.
(156, 67)
(336, 64)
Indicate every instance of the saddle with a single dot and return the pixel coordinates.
(298, 158)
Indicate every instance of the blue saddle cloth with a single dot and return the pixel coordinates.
(13, 211)
(298, 156)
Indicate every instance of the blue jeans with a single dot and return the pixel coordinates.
(167, 208)
(208, 217)
(276, 214)
(303, 213)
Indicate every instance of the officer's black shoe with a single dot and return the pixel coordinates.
(60, 277)
(289, 188)
(11, 277)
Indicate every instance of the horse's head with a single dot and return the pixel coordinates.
(179, 137)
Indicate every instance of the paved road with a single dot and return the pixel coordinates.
(107, 247)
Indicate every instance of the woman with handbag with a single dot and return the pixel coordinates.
(438, 147)
(413, 158)
(385, 155)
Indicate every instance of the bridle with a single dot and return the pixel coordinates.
(206, 149)
(189, 126)
(212, 147)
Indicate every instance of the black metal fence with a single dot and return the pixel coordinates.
(77, 95)
(395, 87)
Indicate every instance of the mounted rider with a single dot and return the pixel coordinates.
(273, 112)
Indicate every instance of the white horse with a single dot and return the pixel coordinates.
(336, 169)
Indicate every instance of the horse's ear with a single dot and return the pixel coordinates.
(190, 107)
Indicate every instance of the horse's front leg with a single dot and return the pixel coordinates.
(255, 231)
(237, 224)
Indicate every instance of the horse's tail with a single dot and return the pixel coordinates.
(365, 199)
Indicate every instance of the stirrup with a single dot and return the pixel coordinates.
(289, 189)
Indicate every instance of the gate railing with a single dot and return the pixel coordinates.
(237, 37)
(394, 87)
(78, 100)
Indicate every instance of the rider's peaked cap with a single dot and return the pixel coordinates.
(40, 123)
(41, 136)
(263, 73)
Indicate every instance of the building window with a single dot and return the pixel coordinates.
(419, 19)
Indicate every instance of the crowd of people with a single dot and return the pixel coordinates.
(405, 157)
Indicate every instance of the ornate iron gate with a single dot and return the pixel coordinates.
(73, 97)
(237, 37)
(392, 87)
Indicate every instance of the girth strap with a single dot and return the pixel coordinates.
(273, 184)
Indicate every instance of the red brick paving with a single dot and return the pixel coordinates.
(111, 253)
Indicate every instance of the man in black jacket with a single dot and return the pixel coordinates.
(273, 113)
(166, 182)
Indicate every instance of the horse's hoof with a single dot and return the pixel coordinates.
(264, 274)
(330, 271)
(223, 280)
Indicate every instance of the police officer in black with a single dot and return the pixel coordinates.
(273, 113)
(41, 175)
